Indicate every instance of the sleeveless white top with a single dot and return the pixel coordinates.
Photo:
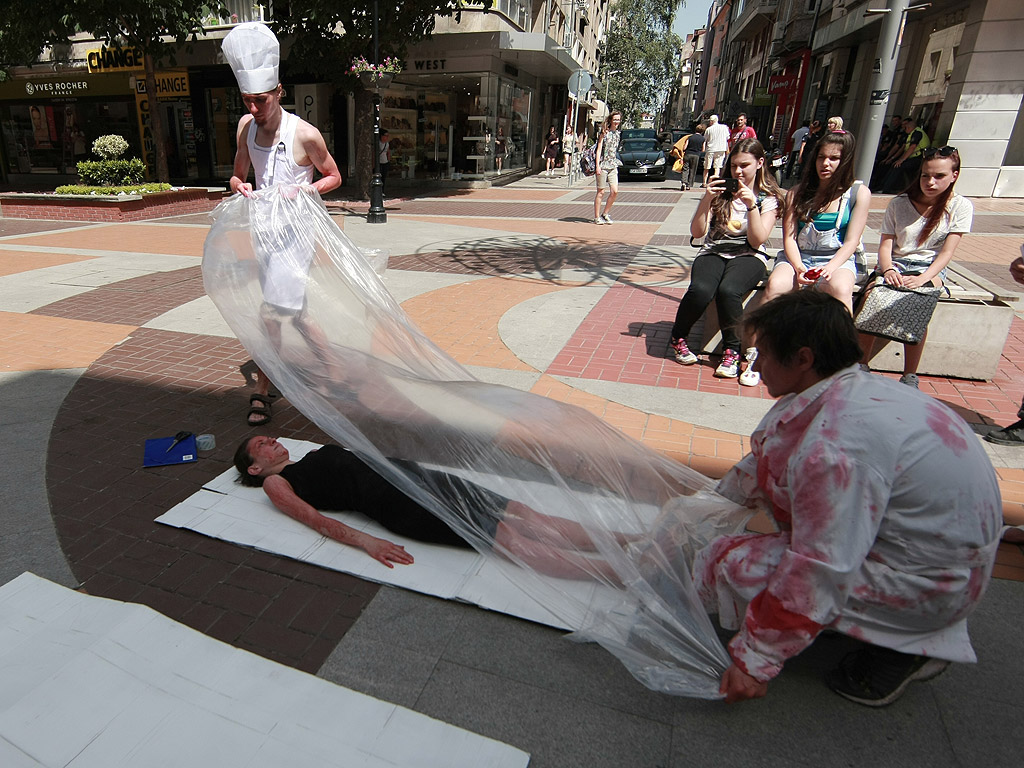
(276, 164)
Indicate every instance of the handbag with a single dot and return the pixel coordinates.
(900, 314)
(677, 166)
(588, 161)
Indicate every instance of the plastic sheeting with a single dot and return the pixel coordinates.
(575, 498)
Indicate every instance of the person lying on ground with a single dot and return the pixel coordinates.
(332, 478)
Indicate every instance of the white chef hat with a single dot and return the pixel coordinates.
(254, 54)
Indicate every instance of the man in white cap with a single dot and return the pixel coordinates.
(282, 148)
(716, 139)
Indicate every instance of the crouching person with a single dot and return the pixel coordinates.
(887, 508)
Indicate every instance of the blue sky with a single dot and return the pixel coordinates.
(691, 16)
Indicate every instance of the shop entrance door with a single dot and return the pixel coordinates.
(181, 140)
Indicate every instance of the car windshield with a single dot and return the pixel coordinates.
(637, 133)
(640, 145)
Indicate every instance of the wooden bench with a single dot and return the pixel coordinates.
(965, 337)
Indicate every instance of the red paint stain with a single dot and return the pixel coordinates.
(942, 424)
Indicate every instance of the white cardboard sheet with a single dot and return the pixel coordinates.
(96, 683)
(225, 510)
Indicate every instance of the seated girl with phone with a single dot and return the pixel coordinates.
(736, 214)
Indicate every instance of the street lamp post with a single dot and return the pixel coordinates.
(376, 214)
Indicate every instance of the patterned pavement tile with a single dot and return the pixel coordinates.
(137, 300)
(14, 262)
(579, 229)
(36, 343)
(130, 238)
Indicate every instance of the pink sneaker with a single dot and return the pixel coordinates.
(682, 353)
(729, 368)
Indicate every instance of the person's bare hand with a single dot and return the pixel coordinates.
(715, 187)
(737, 685)
(914, 281)
(245, 189)
(387, 552)
(746, 194)
(893, 277)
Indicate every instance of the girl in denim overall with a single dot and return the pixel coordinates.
(825, 218)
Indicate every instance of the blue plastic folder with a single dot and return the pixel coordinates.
(157, 455)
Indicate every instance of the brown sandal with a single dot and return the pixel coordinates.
(259, 406)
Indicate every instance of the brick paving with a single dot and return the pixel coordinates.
(104, 503)
(143, 383)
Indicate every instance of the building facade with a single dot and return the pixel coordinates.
(958, 73)
(477, 90)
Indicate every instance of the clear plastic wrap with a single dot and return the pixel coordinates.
(593, 525)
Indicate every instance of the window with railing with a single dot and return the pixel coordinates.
(249, 10)
(513, 10)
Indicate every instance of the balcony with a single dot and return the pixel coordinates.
(753, 16)
(791, 35)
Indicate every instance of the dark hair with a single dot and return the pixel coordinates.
(811, 319)
(741, 114)
(244, 460)
(763, 182)
(809, 197)
(939, 208)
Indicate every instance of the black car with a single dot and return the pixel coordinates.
(642, 158)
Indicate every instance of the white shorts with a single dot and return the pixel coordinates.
(607, 178)
(714, 160)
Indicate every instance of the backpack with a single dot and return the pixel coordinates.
(588, 161)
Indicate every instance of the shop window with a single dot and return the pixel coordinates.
(51, 138)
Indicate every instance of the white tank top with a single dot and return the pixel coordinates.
(276, 165)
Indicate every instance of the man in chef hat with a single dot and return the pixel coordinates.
(284, 149)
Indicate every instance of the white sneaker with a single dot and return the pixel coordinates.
(750, 377)
(599, 220)
(607, 219)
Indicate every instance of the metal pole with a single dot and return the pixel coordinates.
(887, 51)
(376, 214)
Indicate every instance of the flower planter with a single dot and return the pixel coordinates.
(134, 207)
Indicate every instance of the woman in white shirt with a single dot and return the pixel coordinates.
(920, 232)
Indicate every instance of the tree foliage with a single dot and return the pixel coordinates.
(644, 51)
(326, 35)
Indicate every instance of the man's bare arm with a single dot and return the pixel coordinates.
(316, 150)
(240, 172)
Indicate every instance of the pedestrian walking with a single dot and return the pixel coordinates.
(608, 163)
(716, 139)
(551, 143)
(692, 153)
(797, 141)
(741, 130)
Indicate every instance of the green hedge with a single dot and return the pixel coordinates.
(84, 189)
(111, 173)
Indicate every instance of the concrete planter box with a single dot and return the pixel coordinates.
(176, 202)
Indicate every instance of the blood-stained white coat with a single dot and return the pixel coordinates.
(888, 512)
